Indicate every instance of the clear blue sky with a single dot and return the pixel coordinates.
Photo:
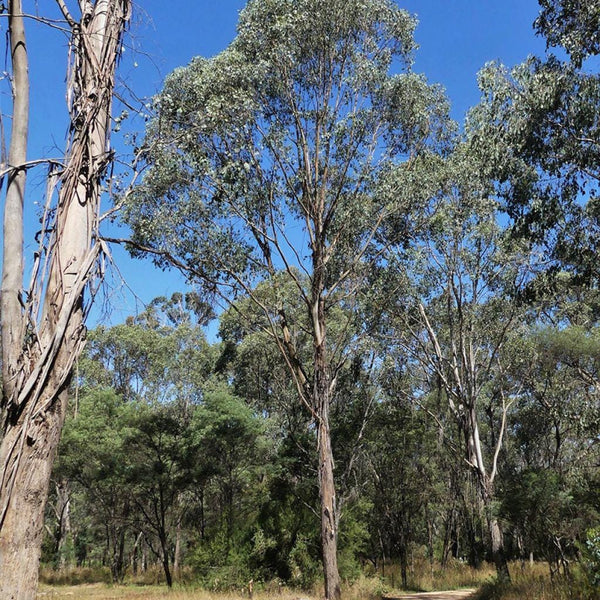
(456, 38)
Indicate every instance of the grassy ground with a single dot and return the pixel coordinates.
(102, 591)
(83, 584)
(534, 583)
(529, 583)
(365, 588)
(424, 577)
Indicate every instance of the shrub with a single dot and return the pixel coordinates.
(591, 555)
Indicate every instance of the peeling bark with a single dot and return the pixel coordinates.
(43, 335)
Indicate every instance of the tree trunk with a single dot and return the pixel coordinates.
(498, 553)
(177, 553)
(495, 533)
(403, 555)
(164, 557)
(42, 345)
(485, 483)
(12, 266)
(329, 525)
(63, 511)
(23, 524)
(117, 565)
(135, 553)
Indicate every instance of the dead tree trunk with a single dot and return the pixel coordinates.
(43, 327)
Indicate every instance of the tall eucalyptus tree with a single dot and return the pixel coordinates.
(263, 161)
(536, 135)
(451, 301)
(43, 324)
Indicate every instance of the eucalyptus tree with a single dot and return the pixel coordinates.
(554, 452)
(161, 354)
(455, 320)
(536, 132)
(262, 168)
(406, 482)
(43, 322)
(159, 363)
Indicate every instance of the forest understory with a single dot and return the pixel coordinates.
(530, 582)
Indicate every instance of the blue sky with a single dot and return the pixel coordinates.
(456, 38)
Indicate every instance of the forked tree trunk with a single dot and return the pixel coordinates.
(485, 483)
(38, 355)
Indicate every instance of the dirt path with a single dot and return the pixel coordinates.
(454, 595)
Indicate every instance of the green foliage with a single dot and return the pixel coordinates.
(572, 24)
(221, 566)
(354, 538)
(305, 568)
(226, 184)
(591, 549)
(535, 132)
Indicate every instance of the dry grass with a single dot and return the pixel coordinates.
(529, 583)
(76, 584)
(425, 577)
(534, 583)
(100, 591)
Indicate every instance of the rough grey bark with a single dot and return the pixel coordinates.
(321, 401)
(43, 327)
(329, 515)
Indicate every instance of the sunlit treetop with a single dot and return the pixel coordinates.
(288, 128)
(572, 24)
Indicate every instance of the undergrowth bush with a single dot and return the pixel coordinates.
(75, 575)
(591, 556)
(366, 588)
